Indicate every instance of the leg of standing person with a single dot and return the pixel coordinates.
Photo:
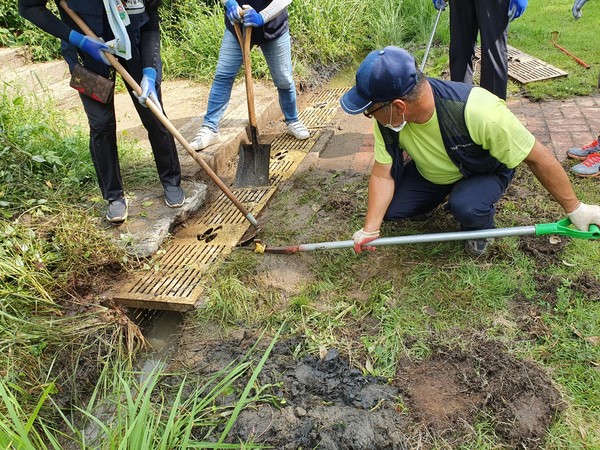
(161, 140)
(278, 55)
(103, 146)
(492, 16)
(228, 65)
(463, 38)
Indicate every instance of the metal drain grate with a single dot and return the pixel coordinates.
(525, 68)
(175, 282)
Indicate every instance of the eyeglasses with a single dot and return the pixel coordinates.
(369, 114)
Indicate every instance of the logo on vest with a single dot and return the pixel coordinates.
(135, 6)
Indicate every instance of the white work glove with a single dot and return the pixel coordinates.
(577, 8)
(362, 237)
(585, 215)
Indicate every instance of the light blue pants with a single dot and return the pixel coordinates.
(279, 59)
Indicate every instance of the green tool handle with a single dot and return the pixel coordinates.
(562, 227)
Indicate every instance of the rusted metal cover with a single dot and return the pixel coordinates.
(525, 68)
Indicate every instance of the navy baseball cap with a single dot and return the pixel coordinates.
(384, 75)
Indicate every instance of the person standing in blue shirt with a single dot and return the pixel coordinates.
(271, 33)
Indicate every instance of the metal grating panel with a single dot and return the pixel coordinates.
(223, 211)
(525, 68)
(289, 142)
(175, 281)
(316, 117)
(328, 96)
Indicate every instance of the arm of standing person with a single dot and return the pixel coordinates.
(150, 54)
(232, 11)
(252, 18)
(380, 194)
(516, 8)
(555, 180)
(36, 12)
(439, 4)
(577, 6)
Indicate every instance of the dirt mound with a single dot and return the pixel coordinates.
(329, 406)
(446, 391)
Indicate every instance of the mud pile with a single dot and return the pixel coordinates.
(446, 392)
(330, 406)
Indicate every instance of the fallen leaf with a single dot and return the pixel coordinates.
(369, 366)
(594, 340)
(554, 240)
(147, 203)
(322, 352)
(568, 264)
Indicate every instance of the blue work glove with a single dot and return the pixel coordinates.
(439, 4)
(252, 18)
(148, 86)
(516, 8)
(232, 11)
(577, 8)
(93, 47)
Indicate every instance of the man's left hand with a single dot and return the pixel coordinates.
(148, 86)
(516, 8)
(252, 18)
(585, 215)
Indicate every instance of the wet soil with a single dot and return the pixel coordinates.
(447, 391)
(323, 402)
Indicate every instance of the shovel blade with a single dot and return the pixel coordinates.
(253, 165)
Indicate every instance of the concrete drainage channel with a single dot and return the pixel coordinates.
(175, 281)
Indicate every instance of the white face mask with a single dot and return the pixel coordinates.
(399, 127)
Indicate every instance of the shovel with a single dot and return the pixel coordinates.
(560, 228)
(159, 114)
(254, 158)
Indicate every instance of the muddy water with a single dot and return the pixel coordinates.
(161, 330)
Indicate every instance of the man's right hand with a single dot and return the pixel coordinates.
(439, 4)
(93, 47)
(232, 10)
(577, 8)
(585, 215)
(362, 237)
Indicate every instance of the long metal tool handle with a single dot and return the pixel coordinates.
(437, 19)
(558, 228)
(159, 114)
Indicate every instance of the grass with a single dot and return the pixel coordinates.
(374, 308)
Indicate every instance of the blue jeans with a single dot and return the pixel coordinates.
(278, 55)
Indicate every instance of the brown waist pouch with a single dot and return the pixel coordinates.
(91, 84)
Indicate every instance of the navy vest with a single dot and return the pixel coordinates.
(270, 30)
(450, 100)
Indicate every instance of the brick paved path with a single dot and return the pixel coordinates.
(558, 124)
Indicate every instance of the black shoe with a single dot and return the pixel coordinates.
(174, 196)
(478, 247)
(117, 210)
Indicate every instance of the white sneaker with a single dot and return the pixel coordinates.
(298, 130)
(204, 138)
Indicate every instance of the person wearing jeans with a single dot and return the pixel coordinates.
(271, 34)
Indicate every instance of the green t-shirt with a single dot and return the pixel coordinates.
(490, 123)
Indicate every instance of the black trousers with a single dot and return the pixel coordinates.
(103, 141)
(489, 18)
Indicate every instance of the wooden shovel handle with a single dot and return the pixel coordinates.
(245, 39)
(159, 114)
